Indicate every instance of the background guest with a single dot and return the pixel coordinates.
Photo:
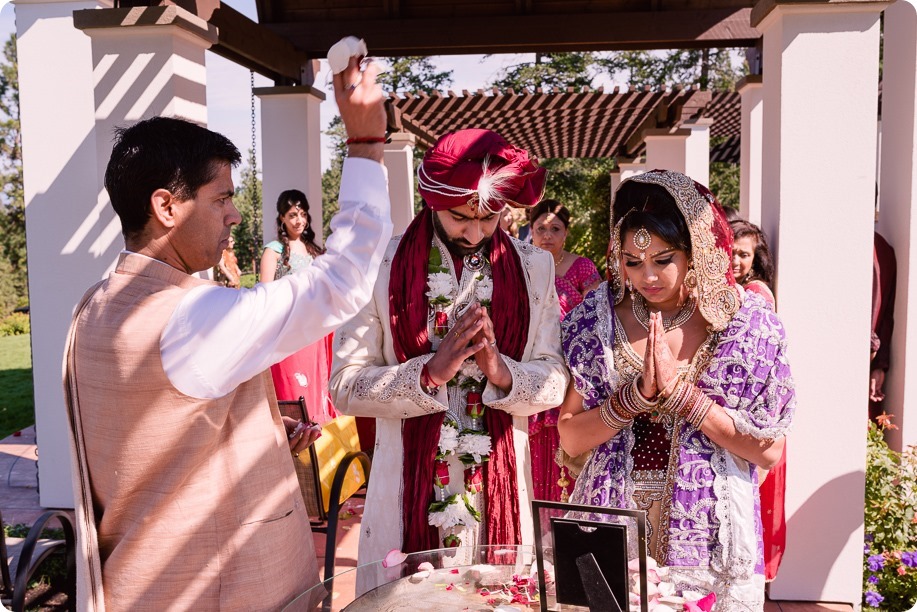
(228, 272)
(574, 277)
(884, 272)
(752, 264)
(305, 373)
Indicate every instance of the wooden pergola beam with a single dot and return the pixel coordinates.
(249, 44)
(720, 27)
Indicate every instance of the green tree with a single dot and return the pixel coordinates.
(577, 183)
(248, 234)
(12, 202)
(561, 70)
(331, 178)
(708, 68)
(414, 74)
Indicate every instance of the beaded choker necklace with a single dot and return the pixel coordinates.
(641, 313)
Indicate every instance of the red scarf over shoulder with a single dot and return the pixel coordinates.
(408, 308)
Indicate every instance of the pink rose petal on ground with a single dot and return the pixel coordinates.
(653, 577)
(454, 571)
(426, 566)
(393, 558)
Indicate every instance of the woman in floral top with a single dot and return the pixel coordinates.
(574, 277)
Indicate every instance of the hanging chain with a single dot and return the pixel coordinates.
(254, 191)
(252, 160)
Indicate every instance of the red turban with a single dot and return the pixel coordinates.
(479, 166)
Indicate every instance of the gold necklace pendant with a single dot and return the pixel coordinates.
(641, 313)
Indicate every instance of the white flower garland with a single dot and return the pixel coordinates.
(471, 446)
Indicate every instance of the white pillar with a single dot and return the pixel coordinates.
(751, 89)
(685, 149)
(67, 219)
(632, 167)
(399, 160)
(897, 219)
(291, 150)
(615, 181)
(821, 64)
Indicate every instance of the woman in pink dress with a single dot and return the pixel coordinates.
(752, 264)
(305, 373)
(574, 277)
(753, 268)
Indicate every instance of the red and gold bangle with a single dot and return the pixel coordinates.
(610, 416)
(643, 404)
(677, 401)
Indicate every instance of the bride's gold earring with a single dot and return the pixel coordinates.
(691, 280)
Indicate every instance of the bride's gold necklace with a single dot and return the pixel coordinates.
(641, 313)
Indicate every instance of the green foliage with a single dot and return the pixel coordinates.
(724, 183)
(584, 187)
(708, 68)
(561, 70)
(10, 295)
(13, 265)
(331, 178)
(15, 324)
(247, 281)
(248, 234)
(890, 553)
(414, 74)
(17, 409)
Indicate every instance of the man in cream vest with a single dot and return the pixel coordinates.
(458, 346)
(186, 493)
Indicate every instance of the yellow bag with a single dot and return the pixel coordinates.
(338, 438)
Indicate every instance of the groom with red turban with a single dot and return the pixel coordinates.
(459, 345)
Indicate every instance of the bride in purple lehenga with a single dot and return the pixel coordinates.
(681, 388)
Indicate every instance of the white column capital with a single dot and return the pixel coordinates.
(134, 21)
(399, 140)
(767, 13)
(290, 90)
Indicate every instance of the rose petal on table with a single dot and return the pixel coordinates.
(426, 566)
(393, 558)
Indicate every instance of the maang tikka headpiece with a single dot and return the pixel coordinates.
(642, 240)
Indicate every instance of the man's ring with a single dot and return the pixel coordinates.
(494, 343)
(352, 86)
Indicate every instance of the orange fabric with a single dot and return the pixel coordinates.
(195, 502)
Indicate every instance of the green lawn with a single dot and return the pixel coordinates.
(17, 406)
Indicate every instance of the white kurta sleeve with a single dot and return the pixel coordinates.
(218, 338)
(362, 384)
(539, 384)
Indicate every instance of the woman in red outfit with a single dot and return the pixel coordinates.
(574, 277)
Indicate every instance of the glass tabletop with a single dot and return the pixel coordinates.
(502, 578)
